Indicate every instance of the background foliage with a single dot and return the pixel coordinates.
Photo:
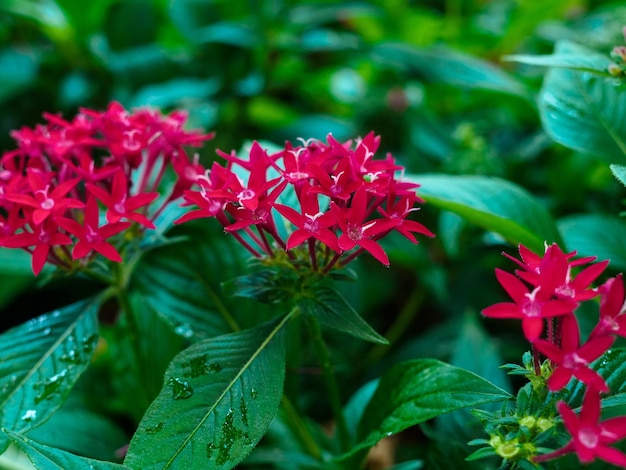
(429, 77)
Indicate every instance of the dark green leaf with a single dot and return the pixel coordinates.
(40, 361)
(80, 430)
(598, 235)
(332, 310)
(353, 411)
(181, 282)
(493, 204)
(268, 286)
(218, 399)
(585, 111)
(49, 458)
(415, 391)
(474, 351)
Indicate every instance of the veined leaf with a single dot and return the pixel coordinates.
(332, 310)
(584, 111)
(415, 391)
(598, 235)
(181, 282)
(493, 204)
(40, 361)
(50, 458)
(218, 399)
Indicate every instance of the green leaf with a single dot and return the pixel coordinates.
(444, 65)
(415, 391)
(218, 399)
(332, 310)
(598, 235)
(353, 411)
(584, 111)
(40, 361)
(474, 351)
(49, 458)
(493, 204)
(78, 429)
(268, 286)
(619, 171)
(181, 282)
(574, 60)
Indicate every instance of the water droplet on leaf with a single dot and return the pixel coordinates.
(184, 330)
(181, 389)
(29, 415)
(154, 429)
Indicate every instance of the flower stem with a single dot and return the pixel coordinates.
(134, 331)
(329, 378)
(299, 427)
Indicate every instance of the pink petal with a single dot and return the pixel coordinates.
(40, 256)
(107, 250)
(297, 238)
(532, 327)
(559, 378)
(516, 289)
(346, 243)
(611, 455)
(502, 310)
(375, 250)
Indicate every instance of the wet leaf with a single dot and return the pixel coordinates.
(40, 361)
(45, 457)
(218, 399)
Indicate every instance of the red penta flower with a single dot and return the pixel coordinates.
(529, 306)
(398, 212)
(357, 231)
(46, 199)
(612, 309)
(311, 223)
(590, 438)
(119, 204)
(90, 236)
(44, 237)
(573, 360)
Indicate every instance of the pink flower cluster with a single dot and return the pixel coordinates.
(545, 294)
(51, 184)
(345, 200)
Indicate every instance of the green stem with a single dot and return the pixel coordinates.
(299, 427)
(134, 330)
(329, 378)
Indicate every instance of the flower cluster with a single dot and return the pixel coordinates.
(338, 198)
(545, 294)
(53, 186)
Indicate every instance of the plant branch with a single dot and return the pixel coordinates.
(329, 378)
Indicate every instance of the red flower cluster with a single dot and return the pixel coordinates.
(343, 200)
(51, 184)
(545, 295)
